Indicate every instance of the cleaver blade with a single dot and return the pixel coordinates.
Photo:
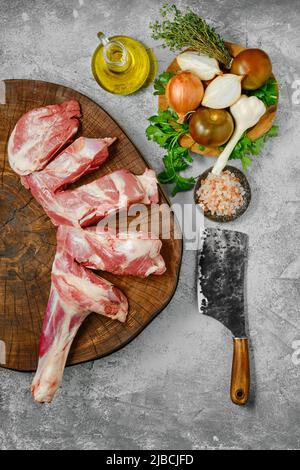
(222, 257)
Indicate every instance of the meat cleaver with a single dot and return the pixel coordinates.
(221, 270)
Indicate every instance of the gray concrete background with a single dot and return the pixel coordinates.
(168, 389)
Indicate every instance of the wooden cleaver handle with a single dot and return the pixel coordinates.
(240, 378)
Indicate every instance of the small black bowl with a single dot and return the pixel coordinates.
(247, 195)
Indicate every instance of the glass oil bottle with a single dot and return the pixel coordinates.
(122, 65)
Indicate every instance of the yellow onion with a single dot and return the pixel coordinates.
(184, 93)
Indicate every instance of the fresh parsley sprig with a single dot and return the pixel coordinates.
(177, 159)
(164, 129)
(245, 148)
(268, 93)
(166, 132)
(161, 82)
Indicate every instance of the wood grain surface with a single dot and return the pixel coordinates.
(263, 125)
(28, 242)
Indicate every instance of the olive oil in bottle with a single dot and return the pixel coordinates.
(121, 64)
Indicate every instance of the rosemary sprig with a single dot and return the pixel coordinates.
(188, 30)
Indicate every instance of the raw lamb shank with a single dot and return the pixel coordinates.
(75, 293)
(83, 156)
(128, 253)
(92, 202)
(40, 134)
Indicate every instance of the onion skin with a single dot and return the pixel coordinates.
(211, 127)
(184, 93)
(255, 65)
(205, 83)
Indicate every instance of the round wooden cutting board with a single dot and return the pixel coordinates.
(28, 242)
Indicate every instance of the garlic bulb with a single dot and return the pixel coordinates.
(201, 65)
(247, 111)
(223, 91)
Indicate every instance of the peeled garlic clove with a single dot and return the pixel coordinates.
(223, 91)
(201, 65)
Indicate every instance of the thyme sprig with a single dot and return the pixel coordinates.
(188, 30)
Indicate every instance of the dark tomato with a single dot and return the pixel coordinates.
(211, 127)
(255, 65)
